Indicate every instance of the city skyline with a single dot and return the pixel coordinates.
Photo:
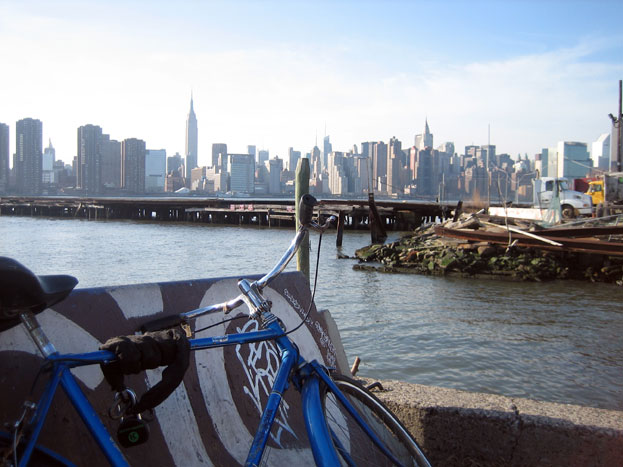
(275, 75)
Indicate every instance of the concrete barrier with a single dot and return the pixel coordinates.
(211, 418)
(458, 428)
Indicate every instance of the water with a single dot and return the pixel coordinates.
(557, 341)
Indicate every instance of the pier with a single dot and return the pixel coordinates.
(396, 215)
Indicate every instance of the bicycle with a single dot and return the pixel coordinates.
(345, 423)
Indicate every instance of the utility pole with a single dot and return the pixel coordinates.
(616, 126)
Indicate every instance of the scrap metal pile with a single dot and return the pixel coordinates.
(476, 246)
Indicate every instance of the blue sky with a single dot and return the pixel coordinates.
(274, 73)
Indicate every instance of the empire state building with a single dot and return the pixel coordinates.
(191, 142)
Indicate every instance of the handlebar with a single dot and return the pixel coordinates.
(250, 291)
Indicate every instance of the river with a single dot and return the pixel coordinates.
(555, 341)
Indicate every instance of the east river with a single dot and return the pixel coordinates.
(557, 341)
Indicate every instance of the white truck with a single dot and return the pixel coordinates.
(572, 203)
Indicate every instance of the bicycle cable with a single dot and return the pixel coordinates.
(311, 302)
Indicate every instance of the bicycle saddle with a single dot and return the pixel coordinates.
(21, 289)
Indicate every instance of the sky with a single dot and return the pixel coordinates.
(521, 75)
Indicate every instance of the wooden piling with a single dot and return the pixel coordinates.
(301, 188)
(340, 229)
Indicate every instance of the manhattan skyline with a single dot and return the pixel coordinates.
(275, 74)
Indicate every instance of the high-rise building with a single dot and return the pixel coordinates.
(424, 140)
(4, 158)
(133, 165)
(293, 158)
(242, 173)
(327, 148)
(219, 156)
(275, 167)
(110, 151)
(600, 152)
(155, 170)
(379, 166)
(572, 160)
(28, 152)
(47, 165)
(175, 164)
(191, 141)
(262, 156)
(252, 151)
(89, 159)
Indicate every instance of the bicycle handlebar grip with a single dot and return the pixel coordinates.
(306, 209)
(162, 323)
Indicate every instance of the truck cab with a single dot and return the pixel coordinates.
(596, 191)
(572, 203)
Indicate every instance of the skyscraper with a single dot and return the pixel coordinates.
(133, 165)
(424, 140)
(242, 173)
(4, 157)
(89, 163)
(326, 150)
(28, 152)
(219, 155)
(191, 142)
(110, 151)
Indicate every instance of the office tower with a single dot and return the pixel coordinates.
(242, 173)
(133, 165)
(47, 165)
(379, 166)
(175, 164)
(191, 141)
(600, 152)
(326, 150)
(395, 163)
(275, 167)
(110, 151)
(424, 140)
(155, 170)
(4, 158)
(572, 160)
(219, 156)
(262, 156)
(252, 151)
(89, 159)
(293, 158)
(27, 159)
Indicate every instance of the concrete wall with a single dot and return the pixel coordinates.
(458, 428)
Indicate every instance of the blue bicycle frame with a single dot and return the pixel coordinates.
(307, 377)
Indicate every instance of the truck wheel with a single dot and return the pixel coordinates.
(567, 211)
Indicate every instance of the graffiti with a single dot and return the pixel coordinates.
(261, 379)
(325, 340)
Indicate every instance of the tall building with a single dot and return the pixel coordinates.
(155, 170)
(275, 167)
(28, 152)
(379, 166)
(175, 164)
(110, 151)
(242, 173)
(262, 156)
(293, 158)
(327, 148)
(600, 152)
(252, 150)
(219, 156)
(133, 165)
(47, 165)
(424, 140)
(89, 159)
(573, 160)
(4, 158)
(191, 141)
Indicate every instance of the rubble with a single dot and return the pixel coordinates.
(425, 252)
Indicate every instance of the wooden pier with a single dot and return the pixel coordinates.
(354, 214)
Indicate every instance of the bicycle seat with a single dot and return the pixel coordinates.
(21, 289)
